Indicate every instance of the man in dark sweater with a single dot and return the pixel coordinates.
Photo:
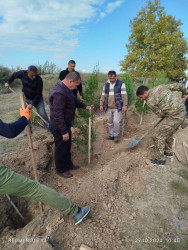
(71, 68)
(62, 110)
(12, 183)
(32, 88)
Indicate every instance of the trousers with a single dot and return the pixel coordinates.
(164, 137)
(41, 109)
(63, 160)
(15, 184)
(114, 120)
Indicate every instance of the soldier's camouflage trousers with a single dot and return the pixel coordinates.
(164, 137)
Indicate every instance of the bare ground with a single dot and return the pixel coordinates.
(132, 203)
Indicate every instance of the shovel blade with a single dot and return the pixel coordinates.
(134, 142)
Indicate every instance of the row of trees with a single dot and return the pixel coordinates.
(156, 44)
(43, 69)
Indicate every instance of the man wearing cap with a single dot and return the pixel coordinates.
(32, 87)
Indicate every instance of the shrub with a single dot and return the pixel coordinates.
(82, 120)
(129, 86)
(47, 68)
(139, 106)
(4, 74)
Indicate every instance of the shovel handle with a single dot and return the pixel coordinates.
(149, 130)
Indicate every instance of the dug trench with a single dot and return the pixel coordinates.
(132, 203)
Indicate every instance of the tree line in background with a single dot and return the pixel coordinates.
(46, 68)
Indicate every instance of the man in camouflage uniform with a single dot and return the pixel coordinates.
(165, 104)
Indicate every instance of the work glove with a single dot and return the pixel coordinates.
(26, 113)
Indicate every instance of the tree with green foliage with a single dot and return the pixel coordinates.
(156, 44)
(129, 87)
(82, 119)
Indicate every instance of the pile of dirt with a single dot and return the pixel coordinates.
(132, 203)
(20, 162)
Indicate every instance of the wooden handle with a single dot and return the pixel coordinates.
(175, 152)
(185, 151)
(28, 131)
(123, 123)
(177, 155)
(16, 209)
(33, 109)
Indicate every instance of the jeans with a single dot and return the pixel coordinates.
(63, 160)
(18, 185)
(40, 108)
(114, 120)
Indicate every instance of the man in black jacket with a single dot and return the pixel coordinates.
(62, 110)
(32, 88)
(71, 68)
(15, 184)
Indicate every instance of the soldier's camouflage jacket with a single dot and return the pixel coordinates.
(164, 103)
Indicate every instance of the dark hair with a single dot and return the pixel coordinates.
(32, 68)
(141, 90)
(72, 61)
(74, 76)
(111, 72)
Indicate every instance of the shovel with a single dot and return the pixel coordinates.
(137, 140)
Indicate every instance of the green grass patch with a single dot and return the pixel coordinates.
(121, 236)
(127, 198)
(184, 174)
(179, 186)
(123, 243)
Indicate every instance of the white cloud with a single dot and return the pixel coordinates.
(113, 5)
(110, 7)
(46, 25)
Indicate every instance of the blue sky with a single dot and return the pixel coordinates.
(87, 31)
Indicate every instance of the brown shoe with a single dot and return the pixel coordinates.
(74, 167)
(65, 174)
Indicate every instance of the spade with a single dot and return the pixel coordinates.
(137, 140)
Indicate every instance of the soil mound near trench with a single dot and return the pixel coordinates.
(132, 204)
